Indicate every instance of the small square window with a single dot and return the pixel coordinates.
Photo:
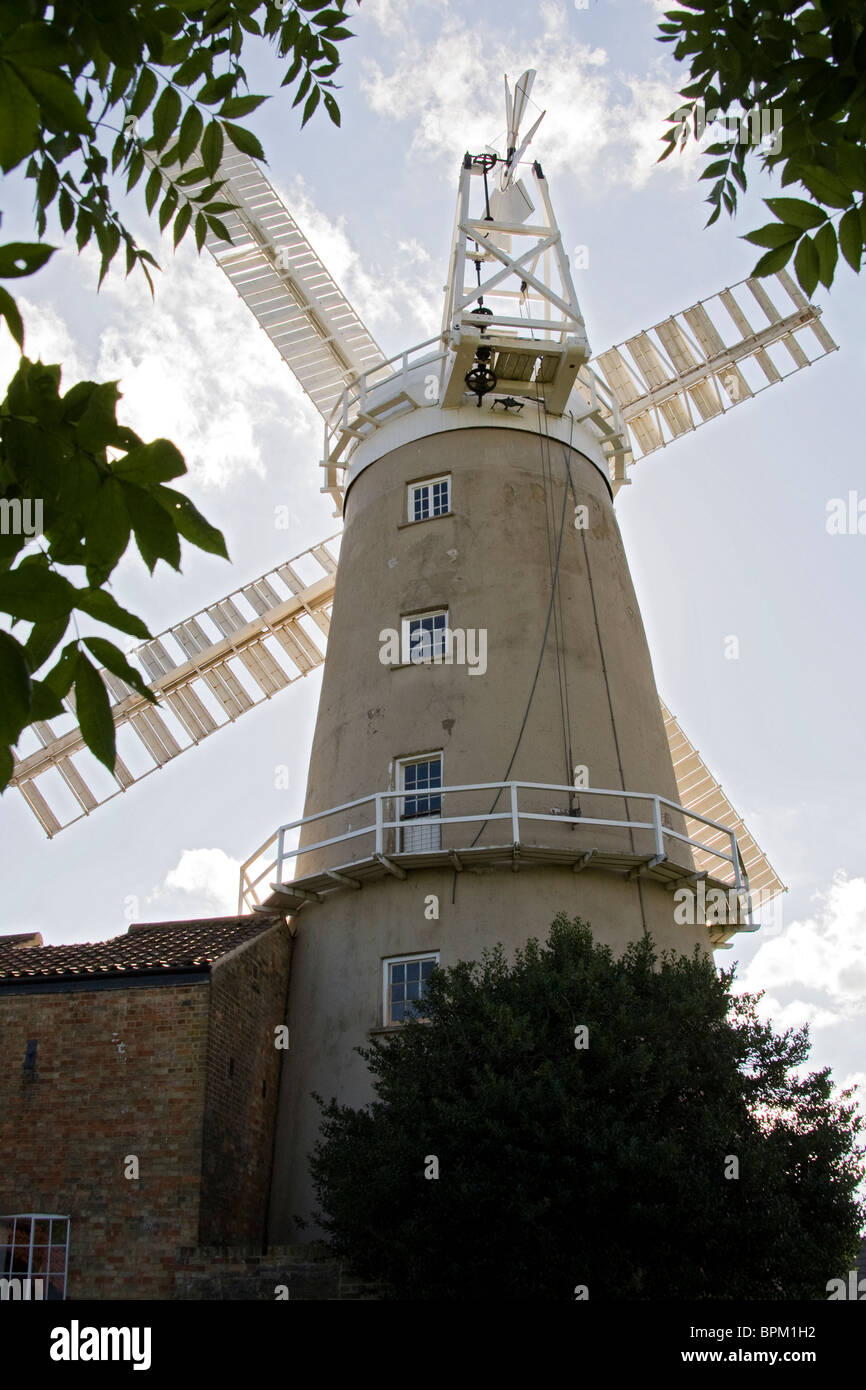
(432, 497)
(425, 637)
(404, 986)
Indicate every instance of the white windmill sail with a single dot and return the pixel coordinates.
(206, 672)
(679, 374)
(293, 296)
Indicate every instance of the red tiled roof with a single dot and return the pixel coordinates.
(147, 948)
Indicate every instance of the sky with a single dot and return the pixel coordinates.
(725, 530)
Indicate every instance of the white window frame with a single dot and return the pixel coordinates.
(22, 1229)
(435, 658)
(387, 962)
(435, 831)
(427, 484)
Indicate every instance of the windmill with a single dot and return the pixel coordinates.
(490, 746)
(638, 397)
(659, 384)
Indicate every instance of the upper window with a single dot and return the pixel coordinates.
(425, 636)
(403, 986)
(432, 497)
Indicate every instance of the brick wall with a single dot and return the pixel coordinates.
(118, 1072)
(248, 997)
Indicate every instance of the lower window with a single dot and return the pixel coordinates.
(404, 984)
(34, 1256)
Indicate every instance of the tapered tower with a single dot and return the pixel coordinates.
(490, 748)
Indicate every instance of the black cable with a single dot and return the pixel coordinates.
(523, 723)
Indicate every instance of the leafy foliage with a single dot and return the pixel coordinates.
(602, 1167)
(93, 483)
(90, 90)
(805, 64)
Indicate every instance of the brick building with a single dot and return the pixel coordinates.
(138, 1094)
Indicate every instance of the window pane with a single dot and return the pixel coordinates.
(440, 498)
(413, 990)
(397, 973)
(413, 970)
(427, 967)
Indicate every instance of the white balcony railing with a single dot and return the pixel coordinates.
(380, 836)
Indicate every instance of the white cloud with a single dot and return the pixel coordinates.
(602, 125)
(382, 299)
(822, 956)
(46, 338)
(202, 880)
(193, 365)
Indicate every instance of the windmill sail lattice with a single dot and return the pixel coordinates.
(282, 280)
(206, 672)
(685, 371)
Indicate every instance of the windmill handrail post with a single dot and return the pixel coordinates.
(515, 814)
(281, 836)
(657, 824)
(380, 796)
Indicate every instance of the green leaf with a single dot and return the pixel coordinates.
(136, 169)
(66, 209)
(774, 260)
(62, 673)
(23, 258)
(155, 532)
(153, 189)
(84, 228)
(166, 211)
(113, 659)
(93, 709)
(35, 593)
(190, 522)
(212, 147)
(219, 227)
(718, 166)
(310, 106)
(42, 641)
(181, 222)
(851, 238)
(97, 425)
(190, 133)
(796, 212)
(7, 767)
(145, 91)
(15, 689)
(191, 176)
(157, 462)
(200, 237)
(59, 107)
(166, 115)
(244, 140)
(826, 187)
(332, 108)
(107, 532)
(828, 253)
(240, 106)
(774, 234)
(99, 604)
(44, 703)
(806, 265)
(14, 322)
(19, 120)
(215, 89)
